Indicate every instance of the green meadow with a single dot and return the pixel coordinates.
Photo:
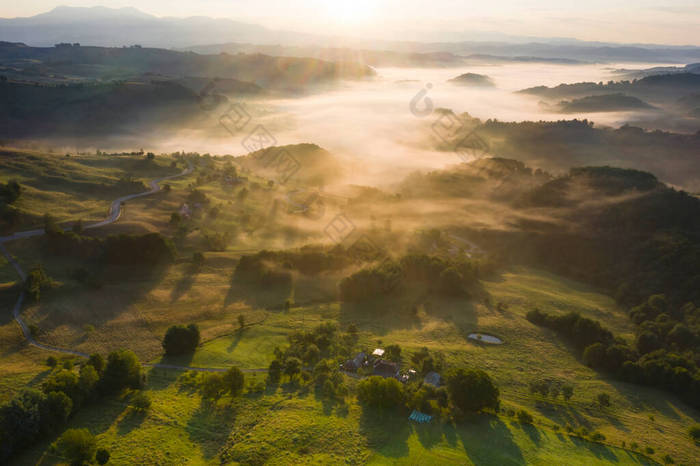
(288, 424)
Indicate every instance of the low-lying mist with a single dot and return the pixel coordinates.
(372, 125)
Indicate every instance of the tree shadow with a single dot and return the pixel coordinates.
(386, 432)
(487, 440)
(262, 297)
(210, 426)
(185, 283)
(562, 414)
(131, 420)
(74, 306)
(599, 450)
(160, 379)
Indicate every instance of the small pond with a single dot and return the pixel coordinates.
(485, 338)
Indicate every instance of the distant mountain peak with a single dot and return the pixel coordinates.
(95, 12)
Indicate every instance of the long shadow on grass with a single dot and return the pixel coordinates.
(122, 287)
(261, 297)
(386, 432)
(210, 426)
(131, 420)
(185, 283)
(487, 441)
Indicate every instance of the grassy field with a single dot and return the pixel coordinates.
(76, 187)
(291, 427)
(287, 426)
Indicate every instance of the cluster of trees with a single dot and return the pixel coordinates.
(438, 275)
(10, 192)
(552, 388)
(465, 391)
(34, 414)
(149, 249)
(9, 214)
(181, 339)
(271, 266)
(313, 358)
(259, 271)
(214, 385)
(309, 348)
(667, 367)
(79, 446)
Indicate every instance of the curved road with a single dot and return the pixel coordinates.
(115, 211)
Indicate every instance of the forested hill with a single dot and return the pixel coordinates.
(108, 62)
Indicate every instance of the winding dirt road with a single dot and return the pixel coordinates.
(115, 211)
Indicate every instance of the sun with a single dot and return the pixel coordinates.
(351, 11)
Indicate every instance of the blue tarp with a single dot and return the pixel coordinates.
(420, 417)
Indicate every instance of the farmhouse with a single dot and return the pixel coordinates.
(384, 368)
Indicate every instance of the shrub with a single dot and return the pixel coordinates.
(597, 437)
(181, 340)
(694, 432)
(51, 361)
(524, 417)
(668, 460)
(649, 450)
(102, 456)
(141, 402)
(603, 399)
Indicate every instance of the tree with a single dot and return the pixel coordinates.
(603, 399)
(213, 386)
(472, 390)
(141, 402)
(524, 417)
(380, 392)
(594, 355)
(102, 456)
(123, 370)
(97, 361)
(175, 219)
(234, 380)
(78, 227)
(50, 225)
(694, 432)
(292, 367)
(567, 391)
(197, 259)
(36, 281)
(181, 340)
(88, 379)
(51, 361)
(77, 445)
(58, 408)
(274, 372)
(393, 353)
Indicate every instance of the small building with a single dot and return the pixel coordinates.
(378, 353)
(352, 365)
(387, 369)
(432, 378)
(185, 211)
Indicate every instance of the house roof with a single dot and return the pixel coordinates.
(386, 368)
(432, 378)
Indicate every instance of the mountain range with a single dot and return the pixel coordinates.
(110, 27)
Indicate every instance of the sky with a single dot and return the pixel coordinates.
(674, 22)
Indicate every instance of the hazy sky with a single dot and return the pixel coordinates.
(642, 21)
